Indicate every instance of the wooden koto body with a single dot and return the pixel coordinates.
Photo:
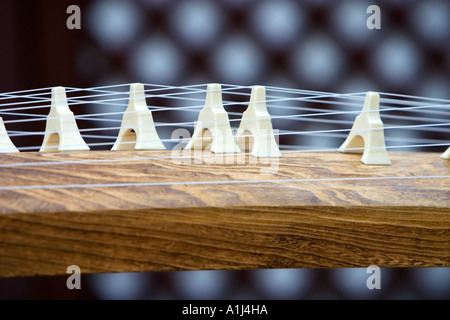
(335, 212)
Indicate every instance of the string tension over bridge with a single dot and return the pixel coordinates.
(212, 128)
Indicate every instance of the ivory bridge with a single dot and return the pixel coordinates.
(227, 196)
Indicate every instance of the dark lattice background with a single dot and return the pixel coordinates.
(314, 44)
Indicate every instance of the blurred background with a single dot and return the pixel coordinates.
(311, 44)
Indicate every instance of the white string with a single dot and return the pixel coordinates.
(14, 95)
(165, 87)
(277, 99)
(294, 91)
(354, 95)
(32, 115)
(273, 117)
(48, 89)
(87, 117)
(420, 126)
(41, 163)
(392, 139)
(28, 90)
(107, 93)
(148, 184)
(313, 132)
(415, 97)
(294, 117)
(280, 99)
(192, 124)
(413, 105)
(74, 102)
(285, 146)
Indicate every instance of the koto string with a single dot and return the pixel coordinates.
(192, 88)
(333, 135)
(286, 132)
(76, 102)
(94, 117)
(148, 184)
(321, 113)
(312, 96)
(189, 156)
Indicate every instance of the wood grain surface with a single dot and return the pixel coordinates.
(325, 210)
